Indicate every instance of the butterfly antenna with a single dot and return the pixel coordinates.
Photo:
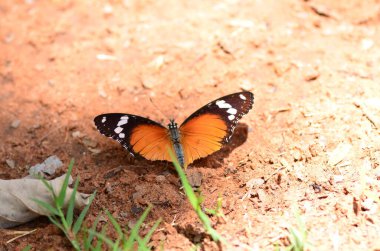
(158, 109)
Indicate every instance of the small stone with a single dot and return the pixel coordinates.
(246, 85)
(89, 142)
(48, 166)
(95, 150)
(158, 62)
(11, 163)
(285, 164)
(310, 74)
(195, 178)
(366, 44)
(262, 195)
(109, 188)
(77, 134)
(136, 210)
(107, 9)
(15, 123)
(369, 205)
(255, 182)
(298, 171)
(338, 178)
(297, 156)
(160, 178)
(131, 224)
(147, 82)
(101, 92)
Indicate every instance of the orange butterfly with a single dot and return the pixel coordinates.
(201, 134)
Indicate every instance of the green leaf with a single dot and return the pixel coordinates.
(55, 222)
(135, 230)
(80, 219)
(141, 244)
(62, 194)
(70, 208)
(52, 210)
(103, 237)
(195, 201)
(88, 239)
(151, 231)
(115, 225)
(27, 248)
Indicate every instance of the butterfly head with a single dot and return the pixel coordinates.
(172, 124)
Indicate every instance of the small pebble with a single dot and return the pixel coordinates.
(15, 123)
(255, 182)
(77, 134)
(11, 163)
(262, 195)
(160, 178)
(338, 178)
(89, 142)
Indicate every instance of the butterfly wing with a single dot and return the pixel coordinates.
(206, 130)
(137, 134)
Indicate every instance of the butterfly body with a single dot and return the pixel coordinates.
(202, 133)
(175, 137)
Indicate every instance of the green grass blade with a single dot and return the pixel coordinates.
(62, 194)
(151, 231)
(55, 222)
(195, 201)
(115, 225)
(70, 208)
(135, 230)
(141, 244)
(88, 239)
(100, 241)
(27, 248)
(103, 237)
(52, 210)
(48, 186)
(79, 221)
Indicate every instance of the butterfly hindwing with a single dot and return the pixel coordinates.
(207, 129)
(137, 134)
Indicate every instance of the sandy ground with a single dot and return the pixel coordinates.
(311, 142)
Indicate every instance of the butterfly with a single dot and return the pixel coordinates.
(200, 135)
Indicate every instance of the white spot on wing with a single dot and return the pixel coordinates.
(242, 97)
(222, 104)
(231, 117)
(104, 119)
(118, 129)
(121, 135)
(125, 117)
(232, 111)
(122, 122)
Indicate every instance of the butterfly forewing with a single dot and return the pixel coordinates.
(137, 134)
(207, 129)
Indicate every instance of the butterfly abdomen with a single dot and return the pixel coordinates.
(175, 137)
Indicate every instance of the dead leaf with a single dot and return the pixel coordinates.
(17, 204)
(11, 163)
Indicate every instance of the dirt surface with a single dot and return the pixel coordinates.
(311, 142)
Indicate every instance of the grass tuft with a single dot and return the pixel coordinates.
(89, 239)
(195, 202)
(298, 235)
